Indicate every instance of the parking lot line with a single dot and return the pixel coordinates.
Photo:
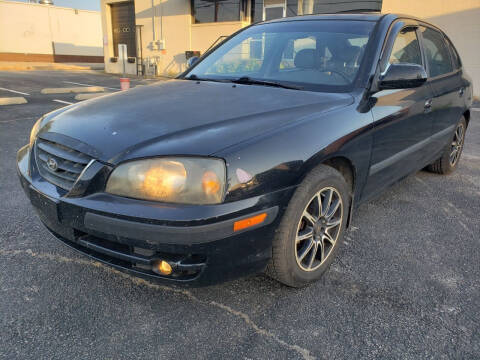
(63, 102)
(14, 91)
(75, 83)
(89, 96)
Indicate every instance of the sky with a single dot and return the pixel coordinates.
(76, 4)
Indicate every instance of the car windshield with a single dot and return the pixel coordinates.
(320, 55)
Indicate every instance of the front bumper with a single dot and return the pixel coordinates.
(131, 235)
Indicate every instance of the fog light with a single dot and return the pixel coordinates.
(162, 267)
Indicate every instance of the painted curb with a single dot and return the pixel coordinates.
(83, 89)
(12, 101)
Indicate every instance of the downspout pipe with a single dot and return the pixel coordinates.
(153, 22)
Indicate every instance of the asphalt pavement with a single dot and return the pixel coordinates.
(406, 284)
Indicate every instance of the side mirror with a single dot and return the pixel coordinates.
(191, 61)
(402, 76)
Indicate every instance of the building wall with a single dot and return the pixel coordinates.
(204, 35)
(173, 24)
(460, 21)
(33, 32)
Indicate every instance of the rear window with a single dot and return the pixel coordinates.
(457, 63)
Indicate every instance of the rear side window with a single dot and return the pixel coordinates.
(457, 63)
(406, 48)
(436, 51)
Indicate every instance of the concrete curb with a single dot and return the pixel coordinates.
(12, 101)
(82, 89)
(14, 66)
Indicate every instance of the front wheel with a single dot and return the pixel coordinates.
(448, 162)
(311, 229)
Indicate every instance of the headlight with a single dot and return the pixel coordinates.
(175, 180)
(34, 132)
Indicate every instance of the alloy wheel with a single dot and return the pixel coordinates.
(457, 144)
(318, 229)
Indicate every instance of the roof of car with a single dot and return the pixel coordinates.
(356, 16)
(366, 16)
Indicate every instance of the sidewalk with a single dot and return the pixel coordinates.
(25, 66)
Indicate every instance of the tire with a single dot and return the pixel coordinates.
(446, 164)
(290, 261)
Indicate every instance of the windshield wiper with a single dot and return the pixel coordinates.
(246, 80)
(196, 78)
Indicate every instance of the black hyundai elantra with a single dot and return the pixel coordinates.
(256, 157)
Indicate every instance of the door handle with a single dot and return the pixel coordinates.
(461, 92)
(428, 105)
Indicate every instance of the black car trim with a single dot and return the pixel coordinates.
(182, 264)
(121, 263)
(400, 155)
(84, 241)
(171, 234)
(70, 142)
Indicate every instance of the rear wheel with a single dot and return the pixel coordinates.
(448, 162)
(311, 229)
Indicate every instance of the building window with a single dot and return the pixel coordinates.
(208, 11)
(269, 9)
(292, 8)
(327, 6)
(274, 9)
(257, 11)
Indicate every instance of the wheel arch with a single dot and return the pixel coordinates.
(466, 115)
(346, 168)
(339, 162)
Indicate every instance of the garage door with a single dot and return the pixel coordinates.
(123, 27)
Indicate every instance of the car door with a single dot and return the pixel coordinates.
(401, 119)
(446, 82)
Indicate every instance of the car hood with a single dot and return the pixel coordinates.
(182, 117)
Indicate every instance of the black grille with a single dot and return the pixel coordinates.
(66, 164)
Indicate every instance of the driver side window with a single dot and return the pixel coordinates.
(406, 48)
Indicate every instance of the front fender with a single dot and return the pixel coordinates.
(283, 158)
